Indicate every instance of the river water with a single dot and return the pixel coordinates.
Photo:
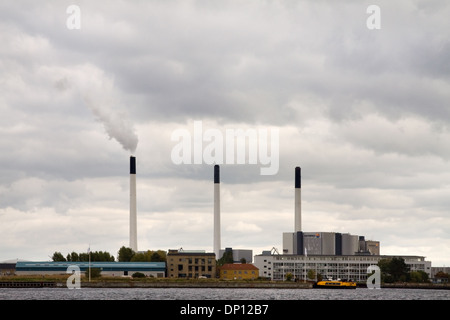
(219, 294)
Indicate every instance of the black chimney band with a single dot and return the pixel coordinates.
(298, 179)
(216, 174)
(132, 165)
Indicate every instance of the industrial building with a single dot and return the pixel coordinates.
(328, 243)
(239, 255)
(7, 267)
(114, 269)
(191, 264)
(349, 267)
(330, 254)
(322, 243)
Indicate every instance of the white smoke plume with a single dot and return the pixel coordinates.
(101, 96)
(116, 123)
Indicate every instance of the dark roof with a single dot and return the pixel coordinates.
(187, 253)
(105, 266)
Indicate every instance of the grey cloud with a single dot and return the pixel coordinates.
(363, 112)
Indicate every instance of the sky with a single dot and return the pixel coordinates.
(365, 113)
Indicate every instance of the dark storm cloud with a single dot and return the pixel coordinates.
(363, 112)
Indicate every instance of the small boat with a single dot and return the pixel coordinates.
(335, 284)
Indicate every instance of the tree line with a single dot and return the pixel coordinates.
(124, 254)
(396, 270)
(83, 256)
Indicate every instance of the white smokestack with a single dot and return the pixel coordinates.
(133, 215)
(217, 211)
(298, 200)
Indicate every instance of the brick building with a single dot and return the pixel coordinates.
(190, 264)
(238, 271)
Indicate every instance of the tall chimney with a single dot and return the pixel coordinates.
(217, 211)
(298, 200)
(133, 218)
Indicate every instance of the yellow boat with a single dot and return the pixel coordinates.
(335, 284)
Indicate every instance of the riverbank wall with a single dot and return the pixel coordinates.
(196, 284)
(110, 283)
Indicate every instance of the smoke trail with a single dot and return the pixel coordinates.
(99, 93)
(100, 96)
(117, 125)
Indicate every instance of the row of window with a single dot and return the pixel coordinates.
(194, 268)
(195, 260)
(342, 258)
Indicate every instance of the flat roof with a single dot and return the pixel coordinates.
(84, 265)
(184, 253)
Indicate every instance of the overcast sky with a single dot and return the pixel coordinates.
(365, 113)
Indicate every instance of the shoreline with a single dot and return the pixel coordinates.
(167, 283)
(197, 284)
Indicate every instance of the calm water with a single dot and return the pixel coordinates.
(219, 294)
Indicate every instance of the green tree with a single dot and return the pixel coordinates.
(441, 275)
(418, 276)
(289, 276)
(57, 256)
(226, 258)
(138, 275)
(140, 257)
(125, 254)
(311, 274)
(101, 256)
(158, 256)
(95, 273)
(399, 269)
(393, 270)
(73, 257)
(83, 256)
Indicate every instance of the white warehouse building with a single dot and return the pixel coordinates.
(348, 267)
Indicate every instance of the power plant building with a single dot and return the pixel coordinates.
(322, 243)
(331, 254)
(328, 243)
(353, 267)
